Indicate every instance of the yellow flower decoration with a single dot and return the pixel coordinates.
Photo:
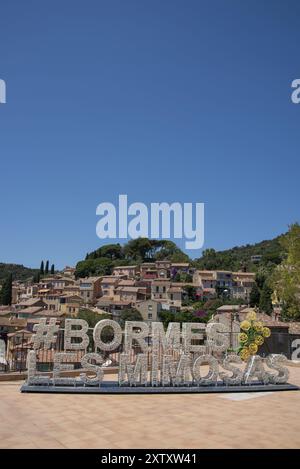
(266, 332)
(251, 316)
(259, 340)
(243, 337)
(253, 348)
(244, 354)
(245, 325)
(258, 326)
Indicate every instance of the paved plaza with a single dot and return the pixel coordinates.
(241, 420)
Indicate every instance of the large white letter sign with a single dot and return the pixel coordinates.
(212, 375)
(188, 334)
(60, 365)
(98, 371)
(81, 334)
(148, 358)
(132, 334)
(134, 375)
(217, 337)
(117, 338)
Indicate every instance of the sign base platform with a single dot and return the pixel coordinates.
(112, 387)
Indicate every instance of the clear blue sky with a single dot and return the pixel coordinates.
(161, 100)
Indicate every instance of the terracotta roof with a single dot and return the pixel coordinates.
(108, 301)
(5, 312)
(109, 280)
(160, 280)
(132, 289)
(231, 307)
(89, 279)
(21, 331)
(184, 284)
(175, 290)
(71, 295)
(267, 320)
(13, 322)
(244, 274)
(50, 313)
(30, 310)
(30, 302)
(126, 283)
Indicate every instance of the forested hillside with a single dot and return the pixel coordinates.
(102, 260)
(239, 257)
(18, 271)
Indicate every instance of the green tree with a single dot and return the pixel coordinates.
(166, 317)
(36, 277)
(47, 268)
(6, 291)
(130, 314)
(184, 316)
(165, 249)
(42, 271)
(286, 277)
(112, 251)
(100, 266)
(260, 279)
(138, 249)
(189, 294)
(182, 277)
(254, 296)
(265, 302)
(52, 269)
(91, 317)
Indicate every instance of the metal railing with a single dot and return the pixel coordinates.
(14, 357)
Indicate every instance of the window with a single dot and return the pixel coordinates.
(150, 307)
(164, 289)
(149, 315)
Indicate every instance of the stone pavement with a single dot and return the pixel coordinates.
(270, 420)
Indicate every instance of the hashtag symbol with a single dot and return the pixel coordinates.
(45, 333)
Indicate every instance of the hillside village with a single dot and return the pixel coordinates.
(161, 285)
(148, 288)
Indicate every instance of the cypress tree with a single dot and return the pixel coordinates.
(6, 292)
(47, 268)
(254, 296)
(52, 269)
(36, 277)
(265, 303)
(42, 268)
